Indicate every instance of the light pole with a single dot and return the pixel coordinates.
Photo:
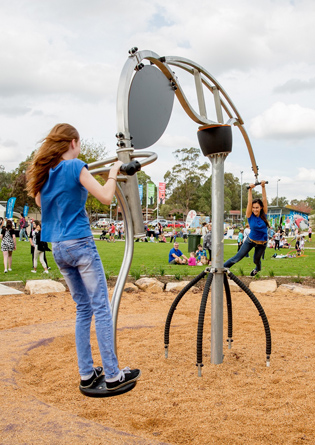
(277, 193)
(241, 196)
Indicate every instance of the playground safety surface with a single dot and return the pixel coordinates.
(240, 401)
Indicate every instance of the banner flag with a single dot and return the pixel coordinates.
(25, 210)
(190, 217)
(140, 192)
(161, 193)
(151, 194)
(10, 207)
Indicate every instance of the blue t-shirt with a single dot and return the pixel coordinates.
(258, 228)
(177, 253)
(63, 200)
(200, 253)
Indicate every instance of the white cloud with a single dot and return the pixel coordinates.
(306, 174)
(296, 85)
(176, 141)
(284, 121)
(61, 61)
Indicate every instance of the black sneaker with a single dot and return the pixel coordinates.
(126, 376)
(253, 272)
(98, 371)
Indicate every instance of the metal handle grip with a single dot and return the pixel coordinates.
(131, 168)
(257, 183)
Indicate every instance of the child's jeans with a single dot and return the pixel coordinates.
(81, 266)
(246, 247)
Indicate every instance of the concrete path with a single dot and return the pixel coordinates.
(6, 290)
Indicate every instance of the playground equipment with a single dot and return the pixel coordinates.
(145, 98)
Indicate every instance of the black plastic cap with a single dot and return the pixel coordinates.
(214, 140)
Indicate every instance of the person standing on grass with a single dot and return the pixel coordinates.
(309, 234)
(240, 239)
(60, 183)
(8, 244)
(207, 241)
(277, 237)
(184, 230)
(112, 231)
(39, 249)
(23, 233)
(204, 230)
(32, 239)
(256, 214)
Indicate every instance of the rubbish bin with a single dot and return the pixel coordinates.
(193, 241)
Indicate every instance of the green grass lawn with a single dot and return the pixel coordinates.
(152, 259)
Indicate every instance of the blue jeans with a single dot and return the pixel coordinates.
(246, 247)
(23, 234)
(81, 266)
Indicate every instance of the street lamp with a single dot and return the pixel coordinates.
(241, 195)
(277, 193)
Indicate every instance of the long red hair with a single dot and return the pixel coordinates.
(48, 156)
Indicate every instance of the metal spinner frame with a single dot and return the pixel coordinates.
(127, 190)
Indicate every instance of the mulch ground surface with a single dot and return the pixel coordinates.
(239, 401)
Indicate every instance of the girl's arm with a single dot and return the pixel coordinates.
(264, 196)
(249, 201)
(104, 193)
(14, 240)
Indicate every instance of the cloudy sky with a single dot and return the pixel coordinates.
(61, 61)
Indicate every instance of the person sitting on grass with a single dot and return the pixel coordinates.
(192, 260)
(152, 239)
(176, 256)
(162, 239)
(201, 255)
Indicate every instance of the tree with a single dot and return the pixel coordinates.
(185, 177)
(5, 193)
(165, 210)
(203, 202)
(19, 184)
(282, 201)
(311, 203)
(92, 151)
(5, 178)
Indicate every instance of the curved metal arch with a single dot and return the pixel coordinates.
(202, 77)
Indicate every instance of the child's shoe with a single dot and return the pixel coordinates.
(98, 371)
(125, 376)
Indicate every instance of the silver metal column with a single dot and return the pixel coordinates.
(217, 161)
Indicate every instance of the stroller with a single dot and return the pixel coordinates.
(103, 235)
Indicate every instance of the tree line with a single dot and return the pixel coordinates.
(188, 185)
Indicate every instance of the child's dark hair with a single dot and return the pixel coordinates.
(262, 213)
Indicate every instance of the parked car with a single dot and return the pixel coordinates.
(153, 223)
(102, 222)
(177, 224)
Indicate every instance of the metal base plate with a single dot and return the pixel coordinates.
(99, 389)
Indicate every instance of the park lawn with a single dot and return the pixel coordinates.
(151, 259)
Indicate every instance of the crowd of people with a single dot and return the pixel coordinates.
(8, 242)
